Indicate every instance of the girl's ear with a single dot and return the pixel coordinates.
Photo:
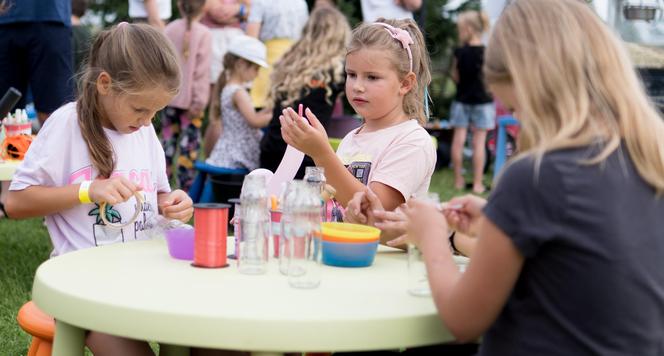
(104, 83)
(407, 83)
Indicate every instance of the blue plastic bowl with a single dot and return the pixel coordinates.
(342, 254)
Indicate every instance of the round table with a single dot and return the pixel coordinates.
(7, 169)
(137, 290)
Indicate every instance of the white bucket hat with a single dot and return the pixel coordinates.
(249, 48)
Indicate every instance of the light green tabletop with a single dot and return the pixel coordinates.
(7, 169)
(137, 290)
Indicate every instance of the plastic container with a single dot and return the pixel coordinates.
(349, 254)
(18, 129)
(180, 243)
(349, 245)
(346, 232)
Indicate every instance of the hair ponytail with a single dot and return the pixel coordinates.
(215, 102)
(136, 57)
(190, 9)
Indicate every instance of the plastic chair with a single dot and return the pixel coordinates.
(501, 142)
(38, 324)
(201, 190)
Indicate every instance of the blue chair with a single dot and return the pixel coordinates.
(201, 191)
(501, 142)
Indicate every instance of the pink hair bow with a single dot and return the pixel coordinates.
(402, 36)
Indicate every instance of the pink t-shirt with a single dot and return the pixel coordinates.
(195, 87)
(401, 156)
(59, 157)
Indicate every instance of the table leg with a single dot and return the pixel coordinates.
(69, 340)
(173, 350)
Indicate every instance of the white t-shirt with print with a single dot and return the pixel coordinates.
(401, 156)
(59, 157)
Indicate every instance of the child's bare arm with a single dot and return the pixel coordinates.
(41, 201)
(243, 103)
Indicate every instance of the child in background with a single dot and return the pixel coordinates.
(81, 36)
(238, 145)
(103, 148)
(182, 119)
(569, 251)
(311, 73)
(278, 24)
(473, 106)
(387, 70)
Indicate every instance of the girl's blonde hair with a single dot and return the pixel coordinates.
(374, 36)
(574, 84)
(316, 60)
(189, 9)
(137, 57)
(229, 63)
(477, 21)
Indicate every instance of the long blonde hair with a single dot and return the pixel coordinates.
(477, 21)
(137, 57)
(372, 36)
(316, 60)
(575, 84)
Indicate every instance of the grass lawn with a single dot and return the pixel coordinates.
(25, 244)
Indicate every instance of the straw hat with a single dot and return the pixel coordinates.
(249, 48)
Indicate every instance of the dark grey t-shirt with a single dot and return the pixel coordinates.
(593, 241)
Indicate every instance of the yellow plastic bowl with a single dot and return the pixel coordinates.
(346, 232)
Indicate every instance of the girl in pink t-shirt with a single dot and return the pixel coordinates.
(387, 71)
(103, 148)
(182, 118)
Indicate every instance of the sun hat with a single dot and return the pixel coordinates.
(249, 48)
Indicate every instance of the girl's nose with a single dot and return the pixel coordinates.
(358, 87)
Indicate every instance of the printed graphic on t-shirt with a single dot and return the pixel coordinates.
(359, 165)
(360, 170)
(107, 235)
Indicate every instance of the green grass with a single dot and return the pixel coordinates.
(25, 244)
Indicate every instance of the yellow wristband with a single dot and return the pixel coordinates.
(83, 192)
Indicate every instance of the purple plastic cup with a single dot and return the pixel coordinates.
(181, 243)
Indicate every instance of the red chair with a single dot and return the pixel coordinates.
(38, 324)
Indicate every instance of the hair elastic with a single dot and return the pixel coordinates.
(402, 36)
(123, 24)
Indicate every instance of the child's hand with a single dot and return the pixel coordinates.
(393, 224)
(112, 190)
(176, 205)
(360, 208)
(424, 223)
(465, 219)
(310, 139)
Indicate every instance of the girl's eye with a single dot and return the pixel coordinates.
(372, 77)
(350, 75)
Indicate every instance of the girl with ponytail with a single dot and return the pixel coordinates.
(182, 119)
(103, 148)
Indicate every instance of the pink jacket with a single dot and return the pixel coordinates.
(195, 87)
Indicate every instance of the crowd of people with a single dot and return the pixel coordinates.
(565, 253)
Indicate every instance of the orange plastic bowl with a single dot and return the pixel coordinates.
(349, 233)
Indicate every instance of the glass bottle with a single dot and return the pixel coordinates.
(304, 234)
(254, 224)
(315, 176)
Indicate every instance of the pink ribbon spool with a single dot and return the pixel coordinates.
(211, 230)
